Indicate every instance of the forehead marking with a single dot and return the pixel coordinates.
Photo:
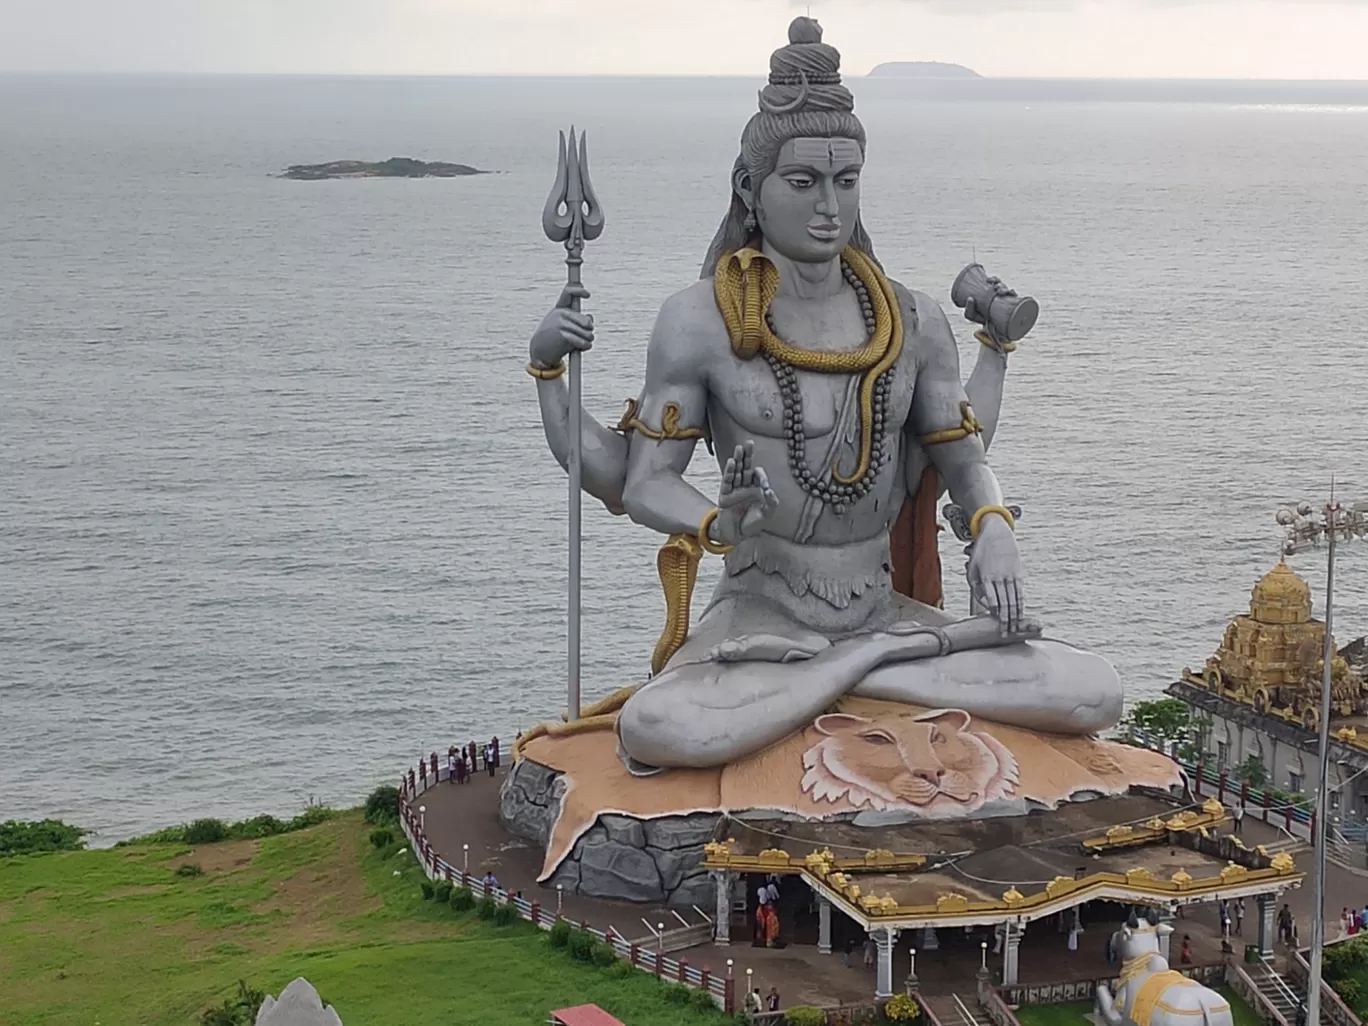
(827, 150)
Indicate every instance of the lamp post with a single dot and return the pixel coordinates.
(560, 898)
(465, 858)
(422, 818)
(1305, 529)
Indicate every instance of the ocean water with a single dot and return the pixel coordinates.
(276, 515)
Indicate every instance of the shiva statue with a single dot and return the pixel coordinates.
(832, 397)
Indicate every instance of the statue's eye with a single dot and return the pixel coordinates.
(800, 181)
(877, 738)
(848, 181)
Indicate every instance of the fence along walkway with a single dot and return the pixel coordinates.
(722, 989)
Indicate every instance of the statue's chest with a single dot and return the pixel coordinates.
(753, 398)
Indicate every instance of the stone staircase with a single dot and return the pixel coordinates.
(955, 1010)
(1282, 993)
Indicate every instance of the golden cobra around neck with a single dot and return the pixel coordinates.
(745, 284)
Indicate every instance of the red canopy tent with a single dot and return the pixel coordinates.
(584, 1015)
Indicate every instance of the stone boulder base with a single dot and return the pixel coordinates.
(608, 834)
(298, 1005)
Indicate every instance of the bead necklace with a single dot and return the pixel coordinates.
(824, 486)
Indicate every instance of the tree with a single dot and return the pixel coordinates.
(1167, 718)
(1253, 772)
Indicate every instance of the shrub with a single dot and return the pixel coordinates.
(486, 908)
(426, 887)
(703, 1001)
(462, 900)
(236, 1011)
(804, 1015)
(395, 847)
(382, 806)
(442, 892)
(380, 837)
(901, 1008)
(257, 826)
(620, 970)
(189, 869)
(602, 954)
(581, 944)
(505, 912)
(311, 816)
(560, 934)
(205, 831)
(21, 838)
(1350, 991)
(678, 994)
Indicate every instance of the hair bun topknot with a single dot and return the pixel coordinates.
(805, 74)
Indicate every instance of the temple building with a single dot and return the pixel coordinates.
(993, 889)
(1261, 690)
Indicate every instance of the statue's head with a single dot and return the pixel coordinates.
(796, 182)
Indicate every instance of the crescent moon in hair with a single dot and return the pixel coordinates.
(793, 104)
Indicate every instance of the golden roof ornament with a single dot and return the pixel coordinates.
(1181, 879)
(1283, 863)
(1280, 596)
(1012, 896)
(1213, 808)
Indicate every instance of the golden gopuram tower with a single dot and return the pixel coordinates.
(1271, 657)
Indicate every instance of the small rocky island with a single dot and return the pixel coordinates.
(395, 167)
(922, 69)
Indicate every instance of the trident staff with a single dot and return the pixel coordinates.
(572, 215)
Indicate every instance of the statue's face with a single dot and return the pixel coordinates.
(808, 206)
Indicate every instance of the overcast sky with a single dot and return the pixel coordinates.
(1067, 38)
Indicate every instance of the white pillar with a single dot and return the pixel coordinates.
(1165, 916)
(823, 925)
(1011, 951)
(722, 878)
(885, 937)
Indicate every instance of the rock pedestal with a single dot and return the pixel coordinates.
(620, 856)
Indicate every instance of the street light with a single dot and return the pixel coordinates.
(465, 857)
(1305, 528)
(422, 818)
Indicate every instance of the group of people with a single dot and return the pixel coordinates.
(1352, 921)
(1232, 917)
(461, 762)
(756, 1003)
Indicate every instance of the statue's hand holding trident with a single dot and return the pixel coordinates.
(571, 216)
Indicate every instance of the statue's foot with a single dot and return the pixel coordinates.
(767, 648)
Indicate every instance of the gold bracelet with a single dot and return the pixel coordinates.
(546, 373)
(976, 521)
(1002, 347)
(704, 540)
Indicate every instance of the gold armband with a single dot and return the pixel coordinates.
(1002, 347)
(546, 373)
(976, 521)
(669, 424)
(968, 425)
(703, 538)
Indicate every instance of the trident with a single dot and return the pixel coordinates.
(572, 215)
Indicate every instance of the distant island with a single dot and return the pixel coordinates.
(395, 167)
(922, 69)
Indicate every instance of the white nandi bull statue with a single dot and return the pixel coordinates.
(1148, 992)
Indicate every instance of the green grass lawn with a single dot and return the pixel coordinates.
(1073, 1013)
(116, 937)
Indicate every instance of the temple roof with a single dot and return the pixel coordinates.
(1280, 596)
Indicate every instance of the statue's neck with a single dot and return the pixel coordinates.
(803, 280)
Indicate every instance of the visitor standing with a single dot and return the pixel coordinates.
(772, 1000)
(451, 765)
(869, 952)
(1225, 918)
(1237, 813)
(1285, 924)
(849, 948)
(494, 752)
(1185, 952)
(755, 1004)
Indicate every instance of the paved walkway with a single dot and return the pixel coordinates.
(467, 814)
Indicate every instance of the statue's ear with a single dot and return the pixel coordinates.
(1152, 916)
(745, 186)
(839, 723)
(1132, 922)
(951, 720)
